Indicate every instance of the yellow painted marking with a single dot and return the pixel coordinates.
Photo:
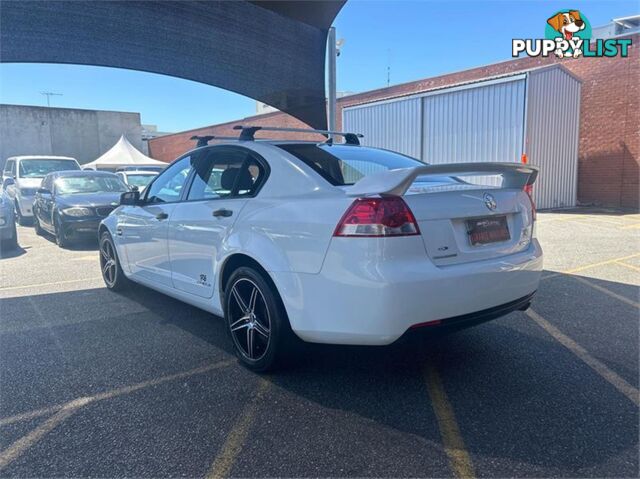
(589, 266)
(16, 449)
(607, 374)
(114, 392)
(606, 291)
(631, 227)
(630, 266)
(459, 459)
(232, 447)
(10, 288)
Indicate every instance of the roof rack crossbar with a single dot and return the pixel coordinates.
(204, 140)
(247, 133)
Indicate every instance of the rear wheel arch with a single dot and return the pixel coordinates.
(237, 260)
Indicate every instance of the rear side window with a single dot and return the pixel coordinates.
(226, 172)
(346, 165)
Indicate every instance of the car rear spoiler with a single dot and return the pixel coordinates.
(397, 182)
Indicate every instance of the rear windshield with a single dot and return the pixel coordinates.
(42, 167)
(345, 165)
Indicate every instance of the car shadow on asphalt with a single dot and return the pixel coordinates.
(518, 393)
(519, 396)
(12, 253)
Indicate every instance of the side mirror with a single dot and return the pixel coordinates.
(8, 182)
(43, 191)
(130, 198)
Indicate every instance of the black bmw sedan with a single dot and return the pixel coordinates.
(71, 204)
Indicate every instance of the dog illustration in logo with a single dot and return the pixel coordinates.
(567, 24)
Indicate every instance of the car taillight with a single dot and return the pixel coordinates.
(389, 216)
(528, 189)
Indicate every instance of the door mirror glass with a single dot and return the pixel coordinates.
(130, 198)
(8, 182)
(43, 191)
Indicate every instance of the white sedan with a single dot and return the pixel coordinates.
(328, 243)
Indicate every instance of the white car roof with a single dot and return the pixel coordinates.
(138, 172)
(41, 157)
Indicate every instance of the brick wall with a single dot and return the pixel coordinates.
(608, 157)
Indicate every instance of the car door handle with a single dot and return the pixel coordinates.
(162, 216)
(222, 212)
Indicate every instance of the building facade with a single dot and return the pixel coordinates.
(81, 134)
(609, 123)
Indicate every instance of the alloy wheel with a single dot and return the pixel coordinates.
(249, 319)
(108, 262)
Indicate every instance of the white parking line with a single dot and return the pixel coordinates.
(606, 291)
(607, 374)
(114, 392)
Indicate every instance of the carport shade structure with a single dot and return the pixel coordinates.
(272, 51)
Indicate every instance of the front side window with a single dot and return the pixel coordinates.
(41, 167)
(168, 186)
(226, 173)
(73, 185)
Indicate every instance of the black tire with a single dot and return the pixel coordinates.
(10, 244)
(22, 221)
(112, 274)
(61, 238)
(36, 225)
(268, 315)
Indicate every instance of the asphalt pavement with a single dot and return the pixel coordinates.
(99, 384)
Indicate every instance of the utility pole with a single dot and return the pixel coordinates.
(388, 67)
(49, 94)
(331, 100)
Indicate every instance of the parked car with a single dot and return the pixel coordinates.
(328, 243)
(22, 176)
(8, 233)
(157, 169)
(137, 178)
(71, 204)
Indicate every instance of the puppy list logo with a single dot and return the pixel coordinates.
(568, 35)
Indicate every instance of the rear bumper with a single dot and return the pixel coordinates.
(361, 299)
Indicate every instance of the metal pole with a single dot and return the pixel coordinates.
(331, 94)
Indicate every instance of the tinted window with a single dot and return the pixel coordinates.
(226, 172)
(168, 186)
(73, 185)
(40, 168)
(345, 165)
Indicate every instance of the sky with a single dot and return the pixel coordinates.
(416, 39)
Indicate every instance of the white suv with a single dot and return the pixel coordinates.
(22, 175)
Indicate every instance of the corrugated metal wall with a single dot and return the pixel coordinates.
(487, 121)
(553, 117)
(393, 125)
(475, 125)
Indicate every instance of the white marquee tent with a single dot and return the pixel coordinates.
(122, 153)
